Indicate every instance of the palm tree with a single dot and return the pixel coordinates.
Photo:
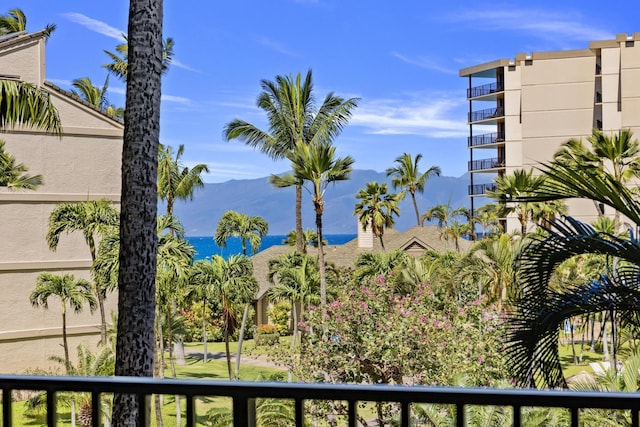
(26, 104)
(94, 219)
(370, 265)
(540, 308)
(293, 120)
(296, 278)
(176, 181)
(85, 90)
(139, 203)
(455, 231)
(317, 165)
(15, 21)
(310, 238)
(617, 155)
(376, 208)
(201, 286)
(249, 229)
(14, 175)
(71, 292)
(406, 176)
(443, 213)
(515, 187)
(119, 64)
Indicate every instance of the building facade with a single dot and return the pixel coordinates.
(521, 110)
(84, 164)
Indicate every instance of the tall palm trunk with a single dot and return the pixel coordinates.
(226, 346)
(139, 201)
(65, 344)
(243, 325)
(99, 295)
(323, 283)
(415, 206)
(204, 330)
(300, 243)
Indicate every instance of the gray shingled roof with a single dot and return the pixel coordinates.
(427, 237)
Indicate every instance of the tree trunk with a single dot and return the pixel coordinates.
(226, 345)
(415, 206)
(204, 330)
(65, 344)
(241, 339)
(138, 206)
(323, 283)
(300, 243)
(99, 296)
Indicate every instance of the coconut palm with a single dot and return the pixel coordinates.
(293, 120)
(16, 21)
(96, 96)
(406, 176)
(316, 164)
(376, 208)
(310, 238)
(442, 212)
(455, 231)
(139, 204)
(73, 293)
(201, 287)
(94, 219)
(176, 181)
(119, 64)
(14, 175)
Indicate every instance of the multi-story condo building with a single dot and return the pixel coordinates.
(84, 164)
(521, 110)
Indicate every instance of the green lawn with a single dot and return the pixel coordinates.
(566, 358)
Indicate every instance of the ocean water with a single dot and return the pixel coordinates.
(205, 246)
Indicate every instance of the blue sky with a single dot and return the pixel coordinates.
(401, 58)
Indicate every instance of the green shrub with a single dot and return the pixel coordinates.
(266, 335)
(279, 314)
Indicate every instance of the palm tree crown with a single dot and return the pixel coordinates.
(406, 176)
(293, 120)
(376, 208)
(250, 229)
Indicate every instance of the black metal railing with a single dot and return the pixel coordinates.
(493, 163)
(488, 113)
(243, 394)
(485, 89)
(487, 138)
(478, 189)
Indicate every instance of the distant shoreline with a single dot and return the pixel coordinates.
(205, 246)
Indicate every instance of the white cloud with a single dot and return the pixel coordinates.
(177, 99)
(424, 62)
(275, 46)
(176, 63)
(60, 82)
(95, 25)
(436, 119)
(540, 23)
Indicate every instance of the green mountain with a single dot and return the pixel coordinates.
(257, 197)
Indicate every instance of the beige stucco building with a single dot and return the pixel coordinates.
(83, 164)
(521, 110)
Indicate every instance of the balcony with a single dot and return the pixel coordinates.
(481, 189)
(484, 90)
(486, 139)
(244, 393)
(485, 164)
(486, 114)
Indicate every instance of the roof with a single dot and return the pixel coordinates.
(415, 238)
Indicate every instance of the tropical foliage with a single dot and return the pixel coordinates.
(14, 175)
(376, 208)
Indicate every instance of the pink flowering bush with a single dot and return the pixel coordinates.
(371, 335)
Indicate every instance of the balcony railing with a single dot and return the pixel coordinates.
(486, 139)
(243, 394)
(485, 114)
(486, 89)
(493, 163)
(479, 189)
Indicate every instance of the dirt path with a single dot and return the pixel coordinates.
(260, 360)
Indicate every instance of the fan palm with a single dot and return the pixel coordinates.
(293, 120)
(14, 175)
(317, 165)
(406, 176)
(376, 208)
